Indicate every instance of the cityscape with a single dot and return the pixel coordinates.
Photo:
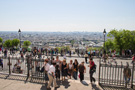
(58, 39)
(67, 45)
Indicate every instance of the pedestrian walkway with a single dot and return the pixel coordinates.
(6, 84)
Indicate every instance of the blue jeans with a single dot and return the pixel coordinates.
(75, 74)
(46, 77)
(127, 80)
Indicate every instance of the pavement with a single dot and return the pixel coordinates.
(18, 83)
(7, 84)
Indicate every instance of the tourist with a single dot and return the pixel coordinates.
(46, 67)
(70, 53)
(75, 69)
(86, 56)
(51, 75)
(58, 63)
(70, 69)
(0, 50)
(127, 74)
(22, 57)
(37, 64)
(133, 59)
(64, 69)
(82, 70)
(5, 52)
(91, 71)
(1, 63)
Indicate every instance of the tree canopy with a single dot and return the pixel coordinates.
(15, 42)
(1, 40)
(8, 44)
(26, 44)
(121, 40)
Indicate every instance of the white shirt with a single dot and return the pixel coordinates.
(47, 66)
(51, 70)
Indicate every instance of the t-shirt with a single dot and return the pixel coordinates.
(133, 58)
(91, 63)
(47, 66)
(51, 70)
(75, 66)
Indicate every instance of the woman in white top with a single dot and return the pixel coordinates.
(70, 68)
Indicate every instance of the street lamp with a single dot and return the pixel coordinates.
(104, 32)
(19, 31)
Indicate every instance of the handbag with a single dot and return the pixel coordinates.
(42, 69)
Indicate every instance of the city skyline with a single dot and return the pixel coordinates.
(67, 16)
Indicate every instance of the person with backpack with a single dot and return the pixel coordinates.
(92, 69)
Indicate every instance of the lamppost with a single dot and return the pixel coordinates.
(104, 32)
(19, 31)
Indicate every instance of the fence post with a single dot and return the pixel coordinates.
(9, 65)
(99, 71)
(132, 75)
(28, 67)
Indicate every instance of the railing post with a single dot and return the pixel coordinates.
(28, 67)
(9, 65)
(99, 71)
(132, 75)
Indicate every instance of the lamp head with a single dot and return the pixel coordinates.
(19, 31)
(104, 32)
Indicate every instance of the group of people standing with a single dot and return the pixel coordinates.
(59, 70)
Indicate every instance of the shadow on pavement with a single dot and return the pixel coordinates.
(94, 86)
(64, 83)
(84, 83)
(59, 83)
(104, 87)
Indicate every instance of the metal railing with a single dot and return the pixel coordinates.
(112, 74)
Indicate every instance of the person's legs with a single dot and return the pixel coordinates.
(81, 76)
(55, 84)
(46, 77)
(50, 80)
(86, 59)
(91, 77)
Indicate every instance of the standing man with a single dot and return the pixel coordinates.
(127, 74)
(46, 66)
(51, 75)
(92, 70)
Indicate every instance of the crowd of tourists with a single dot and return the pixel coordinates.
(59, 70)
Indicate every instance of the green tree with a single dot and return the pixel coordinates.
(26, 44)
(133, 41)
(8, 44)
(118, 39)
(109, 44)
(72, 42)
(123, 39)
(1, 40)
(15, 42)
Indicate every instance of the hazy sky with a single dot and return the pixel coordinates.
(67, 15)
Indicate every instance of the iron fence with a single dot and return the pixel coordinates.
(112, 75)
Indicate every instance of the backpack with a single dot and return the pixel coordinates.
(94, 68)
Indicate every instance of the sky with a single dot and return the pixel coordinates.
(67, 15)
